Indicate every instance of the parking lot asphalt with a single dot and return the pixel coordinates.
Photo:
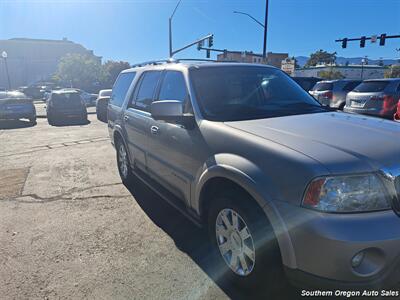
(70, 229)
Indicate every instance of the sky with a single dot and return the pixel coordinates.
(137, 30)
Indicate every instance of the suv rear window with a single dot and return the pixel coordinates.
(323, 86)
(67, 98)
(351, 85)
(121, 87)
(371, 86)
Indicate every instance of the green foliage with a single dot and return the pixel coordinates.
(330, 75)
(111, 70)
(79, 71)
(321, 56)
(393, 72)
(87, 72)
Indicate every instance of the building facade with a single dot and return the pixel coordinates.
(349, 72)
(273, 59)
(32, 60)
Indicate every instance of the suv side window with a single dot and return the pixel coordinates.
(173, 87)
(147, 88)
(121, 87)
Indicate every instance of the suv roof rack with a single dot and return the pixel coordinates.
(177, 60)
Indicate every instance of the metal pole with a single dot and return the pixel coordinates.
(170, 37)
(265, 32)
(8, 75)
(170, 28)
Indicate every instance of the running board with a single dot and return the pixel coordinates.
(168, 197)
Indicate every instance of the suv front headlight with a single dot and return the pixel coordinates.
(354, 193)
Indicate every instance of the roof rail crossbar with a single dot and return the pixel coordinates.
(154, 62)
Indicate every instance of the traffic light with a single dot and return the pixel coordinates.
(362, 42)
(208, 53)
(199, 45)
(344, 43)
(211, 41)
(382, 39)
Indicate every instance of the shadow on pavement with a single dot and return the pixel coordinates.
(194, 241)
(71, 122)
(15, 124)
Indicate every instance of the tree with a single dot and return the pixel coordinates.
(321, 56)
(79, 71)
(393, 72)
(330, 75)
(111, 70)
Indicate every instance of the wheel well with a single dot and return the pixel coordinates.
(216, 186)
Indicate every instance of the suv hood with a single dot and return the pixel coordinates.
(341, 142)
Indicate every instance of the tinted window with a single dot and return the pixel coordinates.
(173, 87)
(145, 94)
(351, 85)
(306, 83)
(323, 86)
(121, 87)
(371, 86)
(243, 93)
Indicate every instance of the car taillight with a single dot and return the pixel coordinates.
(327, 95)
(389, 104)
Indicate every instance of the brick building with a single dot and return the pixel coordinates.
(273, 59)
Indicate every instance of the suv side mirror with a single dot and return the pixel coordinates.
(170, 111)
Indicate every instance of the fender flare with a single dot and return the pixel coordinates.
(263, 198)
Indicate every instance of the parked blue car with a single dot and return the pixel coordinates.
(15, 105)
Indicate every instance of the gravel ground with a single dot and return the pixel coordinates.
(69, 229)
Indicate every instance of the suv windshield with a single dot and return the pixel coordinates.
(235, 93)
(323, 86)
(371, 86)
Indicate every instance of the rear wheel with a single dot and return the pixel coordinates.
(32, 120)
(244, 243)
(124, 167)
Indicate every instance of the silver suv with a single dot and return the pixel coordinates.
(280, 181)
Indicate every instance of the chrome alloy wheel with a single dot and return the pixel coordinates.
(235, 242)
(123, 161)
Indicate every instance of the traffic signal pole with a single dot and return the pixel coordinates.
(382, 38)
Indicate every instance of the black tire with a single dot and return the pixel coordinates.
(341, 106)
(126, 176)
(267, 271)
(50, 119)
(32, 120)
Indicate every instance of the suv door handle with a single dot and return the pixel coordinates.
(154, 129)
(126, 118)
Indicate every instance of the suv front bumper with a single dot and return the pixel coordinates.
(325, 244)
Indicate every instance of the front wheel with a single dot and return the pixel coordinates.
(124, 167)
(244, 242)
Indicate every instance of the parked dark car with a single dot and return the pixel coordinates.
(378, 97)
(101, 104)
(16, 105)
(88, 98)
(63, 105)
(333, 92)
(307, 83)
(244, 151)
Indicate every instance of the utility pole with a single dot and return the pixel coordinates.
(5, 56)
(262, 25)
(170, 28)
(363, 61)
(265, 32)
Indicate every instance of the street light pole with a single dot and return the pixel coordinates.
(5, 56)
(170, 28)
(262, 25)
(265, 32)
